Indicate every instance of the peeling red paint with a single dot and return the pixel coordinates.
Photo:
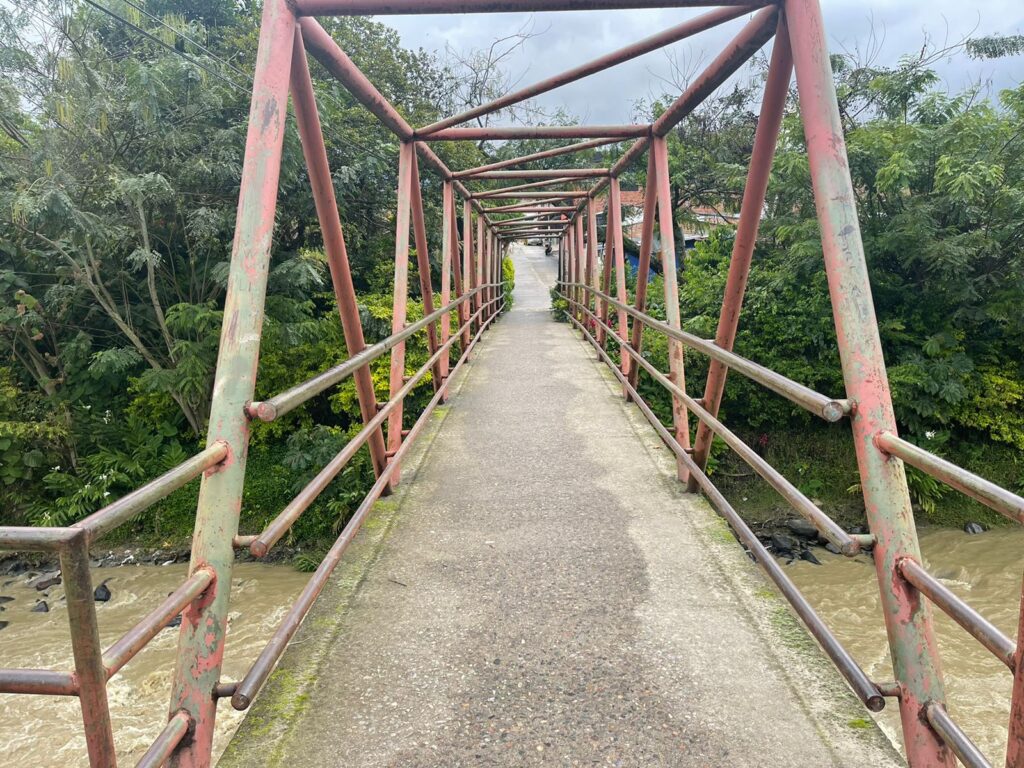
(887, 500)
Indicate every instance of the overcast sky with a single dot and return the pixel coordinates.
(566, 39)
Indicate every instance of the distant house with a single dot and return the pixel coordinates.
(632, 226)
(633, 209)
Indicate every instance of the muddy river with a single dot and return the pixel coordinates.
(985, 570)
(45, 731)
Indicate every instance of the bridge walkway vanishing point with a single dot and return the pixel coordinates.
(548, 595)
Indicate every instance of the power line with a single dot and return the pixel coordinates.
(182, 35)
(162, 44)
(148, 35)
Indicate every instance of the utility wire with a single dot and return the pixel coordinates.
(162, 44)
(183, 36)
(215, 73)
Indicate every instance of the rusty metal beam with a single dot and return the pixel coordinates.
(518, 187)
(170, 737)
(644, 262)
(308, 120)
(461, 286)
(538, 132)
(400, 297)
(669, 274)
(553, 194)
(615, 228)
(135, 639)
(90, 674)
(978, 488)
(527, 203)
(532, 208)
(204, 625)
(529, 220)
(1015, 734)
(980, 628)
(419, 228)
(591, 246)
(674, 34)
(954, 737)
(883, 481)
(556, 173)
(324, 49)
(543, 155)
(754, 35)
(402, 7)
(773, 103)
(828, 408)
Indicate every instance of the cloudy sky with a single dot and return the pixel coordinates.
(885, 29)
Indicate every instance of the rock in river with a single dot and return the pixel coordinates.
(45, 580)
(803, 529)
(102, 593)
(785, 546)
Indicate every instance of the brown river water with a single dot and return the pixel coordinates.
(985, 570)
(45, 731)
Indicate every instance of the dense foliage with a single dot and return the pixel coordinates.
(120, 157)
(939, 181)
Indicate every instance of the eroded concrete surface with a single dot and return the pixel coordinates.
(543, 593)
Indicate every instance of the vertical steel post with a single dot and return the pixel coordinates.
(468, 260)
(496, 249)
(593, 280)
(644, 266)
(589, 262)
(489, 267)
(606, 273)
(615, 228)
(773, 104)
(457, 272)
(883, 481)
(85, 646)
(485, 265)
(448, 201)
(204, 624)
(581, 265)
(1015, 738)
(495, 267)
(561, 263)
(423, 265)
(447, 204)
(400, 296)
(680, 417)
(567, 262)
(570, 264)
(499, 253)
(478, 264)
(308, 120)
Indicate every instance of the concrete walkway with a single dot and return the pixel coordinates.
(543, 593)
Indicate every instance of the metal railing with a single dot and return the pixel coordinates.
(94, 666)
(586, 315)
(551, 204)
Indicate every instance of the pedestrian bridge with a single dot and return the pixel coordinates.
(548, 584)
(542, 591)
